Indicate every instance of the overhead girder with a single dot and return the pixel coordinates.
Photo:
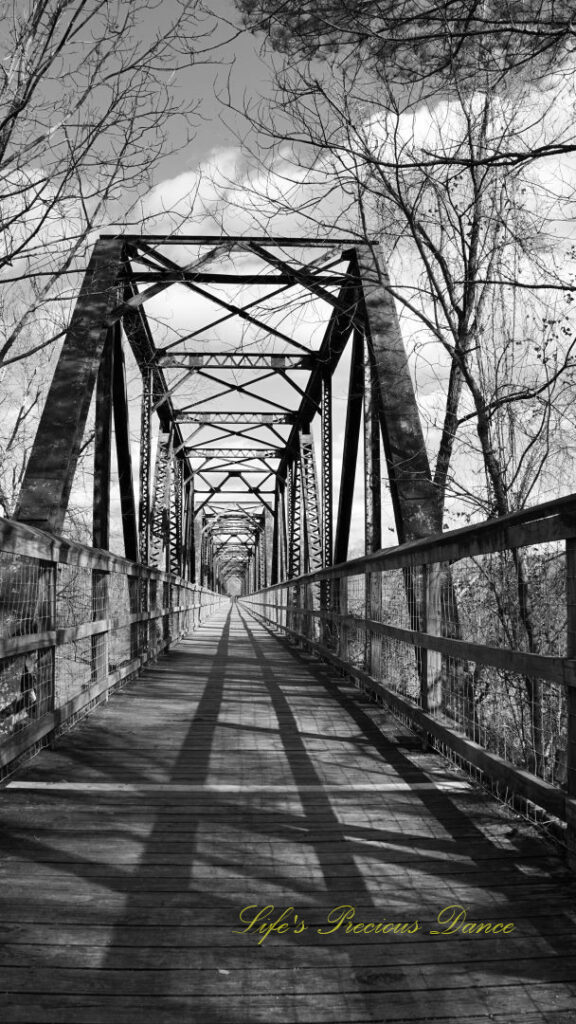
(245, 492)
(231, 361)
(264, 418)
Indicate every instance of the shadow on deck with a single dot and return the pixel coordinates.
(238, 773)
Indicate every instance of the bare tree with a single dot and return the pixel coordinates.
(453, 168)
(89, 104)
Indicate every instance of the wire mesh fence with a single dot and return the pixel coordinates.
(465, 637)
(73, 624)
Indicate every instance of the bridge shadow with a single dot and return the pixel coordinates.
(262, 819)
(210, 818)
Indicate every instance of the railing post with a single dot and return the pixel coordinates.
(342, 610)
(100, 642)
(307, 604)
(44, 671)
(144, 627)
(431, 622)
(166, 599)
(571, 703)
(134, 602)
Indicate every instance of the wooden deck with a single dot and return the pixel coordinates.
(239, 772)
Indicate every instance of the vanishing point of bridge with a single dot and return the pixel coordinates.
(324, 788)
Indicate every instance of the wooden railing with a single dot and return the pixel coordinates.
(74, 624)
(469, 636)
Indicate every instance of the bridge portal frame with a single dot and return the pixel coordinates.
(296, 515)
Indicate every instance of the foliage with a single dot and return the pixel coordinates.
(420, 41)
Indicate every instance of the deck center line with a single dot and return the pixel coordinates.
(167, 787)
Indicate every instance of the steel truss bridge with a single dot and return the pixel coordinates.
(232, 403)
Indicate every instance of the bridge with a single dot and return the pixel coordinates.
(245, 775)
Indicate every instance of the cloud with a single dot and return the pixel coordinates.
(225, 194)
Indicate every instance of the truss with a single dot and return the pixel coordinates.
(245, 488)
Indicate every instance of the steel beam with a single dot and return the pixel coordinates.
(124, 451)
(235, 416)
(45, 490)
(188, 553)
(350, 452)
(372, 480)
(103, 448)
(234, 361)
(241, 454)
(241, 240)
(185, 276)
(333, 344)
(414, 498)
(293, 490)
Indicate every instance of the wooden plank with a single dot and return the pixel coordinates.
(519, 781)
(326, 1008)
(79, 945)
(558, 670)
(235, 771)
(24, 740)
(23, 644)
(290, 981)
(543, 666)
(20, 742)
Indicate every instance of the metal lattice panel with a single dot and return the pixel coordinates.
(159, 532)
(310, 504)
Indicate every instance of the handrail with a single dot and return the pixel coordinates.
(20, 539)
(75, 623)
(545, 522)
(469, 636)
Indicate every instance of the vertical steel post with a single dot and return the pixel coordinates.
(198, 547)
(283, 535)
(350, 452)
(372, 510)
(413, 493)
(189, 539)
(103, 449)
(124, 451)
(294, 520)
(326, 417)
(372, 472)
(145, 465)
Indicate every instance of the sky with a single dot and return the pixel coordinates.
(234, 70)
(207, 180)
